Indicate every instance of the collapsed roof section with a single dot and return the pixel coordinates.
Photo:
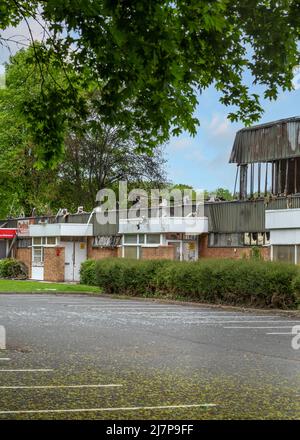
(267, 142)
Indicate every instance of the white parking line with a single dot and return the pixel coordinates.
(279, 333)
(28, 370)
(274, 326)
(125, 307)
(125, 408)
(4, 359)
(29, 387)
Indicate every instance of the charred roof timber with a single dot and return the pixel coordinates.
(272, 152)
(267, 142)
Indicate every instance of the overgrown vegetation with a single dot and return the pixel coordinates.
(235, 282)
(11, 268)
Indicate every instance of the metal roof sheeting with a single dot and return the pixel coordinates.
(246, 215)
(266, 142)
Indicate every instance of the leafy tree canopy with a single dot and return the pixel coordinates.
(95, 156)
(150, 59)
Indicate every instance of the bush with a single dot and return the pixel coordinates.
(296, 288)
(237, 282)
(11, 268)
(128, 276)
(87, 273)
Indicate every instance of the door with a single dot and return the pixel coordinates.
(184, 250)
(75, 254)
(189, 251)
(69, 274)
(80, 257)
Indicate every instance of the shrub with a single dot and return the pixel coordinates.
(11, 268)
(296, 288)
(128, 276)
(255, 253)
(237, 282)
(88, 273)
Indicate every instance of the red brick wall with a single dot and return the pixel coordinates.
(158, 253)
(54, 263)
(24, 255)
(99, 253)
(227, 252)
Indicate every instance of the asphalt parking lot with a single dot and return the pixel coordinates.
(82, 357)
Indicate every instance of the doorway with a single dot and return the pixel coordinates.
(185, 250)
(75, 254)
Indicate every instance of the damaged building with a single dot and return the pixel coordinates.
(264, 214)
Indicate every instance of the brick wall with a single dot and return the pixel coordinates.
(227, 252)
(158, 253)
(24, 255)
(54, 263)
(99, 253)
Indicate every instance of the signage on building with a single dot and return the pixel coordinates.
(8, 233)
(23, 228)
(107, 241)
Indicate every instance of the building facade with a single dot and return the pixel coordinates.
(265, 215)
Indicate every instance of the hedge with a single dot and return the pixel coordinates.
(235, 282)
(11, 268)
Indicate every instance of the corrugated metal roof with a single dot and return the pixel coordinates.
(244, 215)
(266, 142)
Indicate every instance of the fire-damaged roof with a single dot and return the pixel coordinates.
(266, 142)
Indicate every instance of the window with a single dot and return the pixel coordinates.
(37, 254)
(24, 242)
(132, 244)
(130, 239)
(38, 244)
(141, 238)
(106, 241)
(153, 239)
(256, 238)
(51, 241)
(260, 239)
(130, 252)
(225, 240)
(38, 241)
(44, 241)
(284, 253)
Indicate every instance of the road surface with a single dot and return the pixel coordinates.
(83, 357)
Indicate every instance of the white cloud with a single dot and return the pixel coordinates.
(182, 143)
(220, 127)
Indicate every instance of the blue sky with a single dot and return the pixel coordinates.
(202, 161)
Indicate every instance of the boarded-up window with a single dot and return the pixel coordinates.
(225, 240)
(130, 252)
(284, 253)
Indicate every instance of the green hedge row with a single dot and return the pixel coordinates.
(236, 282)
(11, 268)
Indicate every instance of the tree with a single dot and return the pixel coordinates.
(22, 185)
(222, 194)
(150, 58)
(99, 157)
(95, 155)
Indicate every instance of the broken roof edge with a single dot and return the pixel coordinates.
(269, 124)
(273, 140)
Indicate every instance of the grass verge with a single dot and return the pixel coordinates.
(19, 286)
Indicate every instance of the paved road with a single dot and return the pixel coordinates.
(85, 357)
